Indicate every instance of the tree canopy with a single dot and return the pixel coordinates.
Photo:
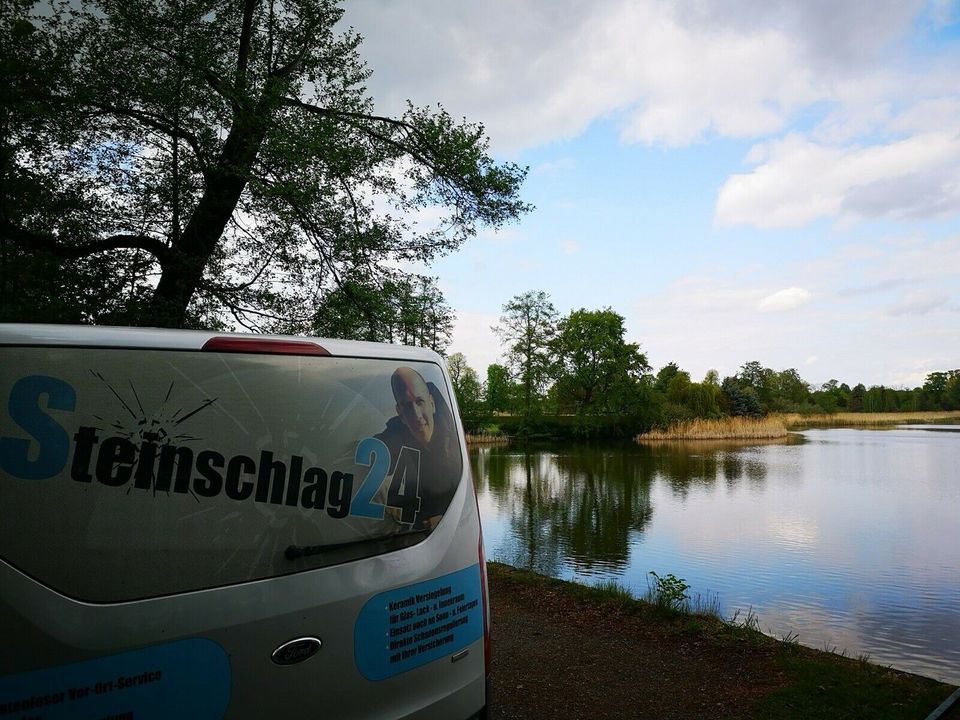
(186, 162)
(595, 368)
(527, 325)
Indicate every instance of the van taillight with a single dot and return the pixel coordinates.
(263, 346)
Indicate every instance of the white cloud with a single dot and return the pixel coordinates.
(798, 181)
(678, 73)
(782, 300)
(710, 319)
(472, 336)
(811, 360)
(536, 72)
(570, 247)
(918, 302)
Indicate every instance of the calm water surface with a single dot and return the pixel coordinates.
(850, 538)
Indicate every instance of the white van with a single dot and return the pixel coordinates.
(205, 525)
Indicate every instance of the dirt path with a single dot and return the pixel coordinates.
(556, 655)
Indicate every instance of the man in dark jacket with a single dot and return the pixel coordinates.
(423, 434)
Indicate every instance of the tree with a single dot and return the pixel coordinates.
(527, 326)
(409, 311)
(740, 398)
(788, 391)
(224, 159)
(666, 374)
(595, 368)
(497, 391)
(457, 367)
(856, 398)
(466, 385)
(753, 375)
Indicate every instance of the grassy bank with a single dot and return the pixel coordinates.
(729, 428)
(645, 660)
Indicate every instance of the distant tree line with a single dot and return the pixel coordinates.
(578, 372)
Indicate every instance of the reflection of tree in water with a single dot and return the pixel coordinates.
(578, 506)
(691, 466)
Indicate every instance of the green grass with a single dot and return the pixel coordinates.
(824, 685)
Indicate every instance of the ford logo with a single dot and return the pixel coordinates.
(295, 651)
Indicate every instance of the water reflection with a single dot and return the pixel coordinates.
(585, 504)
(691, 466)
(849, 537)
(578, 506)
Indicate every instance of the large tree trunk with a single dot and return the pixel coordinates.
(182, 273)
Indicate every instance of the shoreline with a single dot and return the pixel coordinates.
(641, 660)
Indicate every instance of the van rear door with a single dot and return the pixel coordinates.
(239, 530)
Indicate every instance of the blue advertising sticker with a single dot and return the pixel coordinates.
(410, 626)
(186, 678)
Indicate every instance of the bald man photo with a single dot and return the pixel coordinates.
(424, 424)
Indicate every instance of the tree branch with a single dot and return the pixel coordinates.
(149, 119)
(51, 244)
(243, 51)
(352, 119)
(346, 114)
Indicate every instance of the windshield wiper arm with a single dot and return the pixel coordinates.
(294, 552)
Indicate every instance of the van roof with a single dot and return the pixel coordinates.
(166, 339)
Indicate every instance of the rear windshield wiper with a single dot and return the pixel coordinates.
(294, 552)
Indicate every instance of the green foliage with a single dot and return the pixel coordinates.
(669, 592)
(498, 391)
(856, 398)
(467, 388)
(224, 161)
(666, 375)
(596, 370)
(527, 326)
(740, 401)
(406, 310)
(941, 391)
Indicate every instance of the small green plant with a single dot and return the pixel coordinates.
(669, 591)
(706, 605)
(748, 621)
(614, 591)
(791, 638)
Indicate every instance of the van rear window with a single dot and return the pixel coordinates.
(131, 473)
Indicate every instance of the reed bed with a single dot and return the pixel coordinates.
(863, 419)
(730, 428)
(487, 439)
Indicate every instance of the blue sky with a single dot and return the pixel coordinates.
(742, 180)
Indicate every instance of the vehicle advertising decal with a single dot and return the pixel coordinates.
(182, 679)
(226, 467)
(154, 458)
(407, 627)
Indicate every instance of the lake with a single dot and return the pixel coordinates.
(848, 538)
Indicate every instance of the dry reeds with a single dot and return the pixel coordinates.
(730, 428)
(775, 426)
(484, 438)
(864, 419)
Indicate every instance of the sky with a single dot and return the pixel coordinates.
(741, 180)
